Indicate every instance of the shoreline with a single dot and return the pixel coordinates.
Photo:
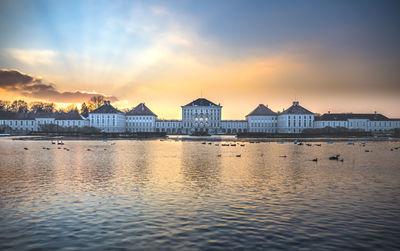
(214, 138)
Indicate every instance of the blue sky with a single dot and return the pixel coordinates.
(254, 51)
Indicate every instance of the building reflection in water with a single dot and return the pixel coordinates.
(201, 166)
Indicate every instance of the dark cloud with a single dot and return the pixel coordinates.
(34, 87)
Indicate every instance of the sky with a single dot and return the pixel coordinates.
(338, 56)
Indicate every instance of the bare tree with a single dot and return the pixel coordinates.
(42, 107)
(19, 106)
(97, 100)
(4, 105)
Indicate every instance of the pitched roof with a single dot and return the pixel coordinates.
(106, 108)
(140, 110)
(45, 115)
(262, 110)
(7, 115)
(296, 109)
(347, 116)
(74, 115)
(201, 102)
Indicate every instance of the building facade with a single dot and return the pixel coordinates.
(198, 116)
(295, 119)
(33, 122)
(140, 119)
(108, 119)
(201, 115)
(369, 122)
(262, 119)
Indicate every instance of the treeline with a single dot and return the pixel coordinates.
(21, 106)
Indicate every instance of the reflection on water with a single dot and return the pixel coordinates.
(183, 194)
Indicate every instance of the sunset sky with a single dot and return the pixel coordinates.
(340, 56)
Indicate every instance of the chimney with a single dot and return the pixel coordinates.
(105, 102)
(375, 112)
(329, 112)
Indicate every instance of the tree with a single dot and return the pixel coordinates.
(42, 107)
(71, 108)
(97, 100)
(36, 106)
(84, 110)
(4, 105)
(19, 106)
(49, 107)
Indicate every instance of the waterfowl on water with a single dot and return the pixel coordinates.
(238, 155)
(336, 157)
(25, 148)
(315, 160)
(283, 156)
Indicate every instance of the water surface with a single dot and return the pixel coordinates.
(187, 195)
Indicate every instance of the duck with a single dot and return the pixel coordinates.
(283, 156)
(315, 160)
(238, 155)
(25, 148)
(336, 157)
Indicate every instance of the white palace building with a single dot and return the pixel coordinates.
(201, 116)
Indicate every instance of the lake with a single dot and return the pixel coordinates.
(185, 195)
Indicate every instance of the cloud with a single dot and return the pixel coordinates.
(33, 57)
(34, 87)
